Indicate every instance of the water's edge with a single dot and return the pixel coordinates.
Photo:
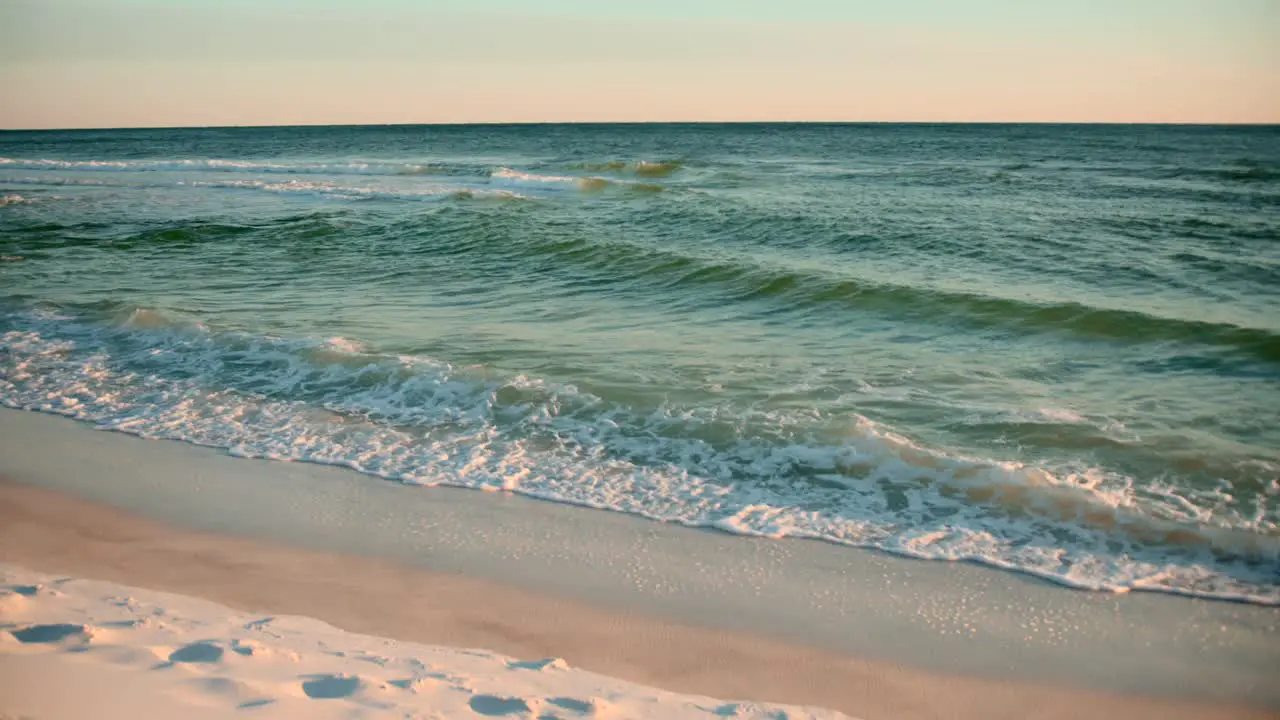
(946, 617)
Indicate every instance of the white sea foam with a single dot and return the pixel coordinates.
(139, 165)
(421, 421)
(1061, 415)
(32, 180)
(516, 178)
(399, 179)
(516, 175)
(503, 175)
(345, 345)
(14, 199)
(351, 167)
(339, 191)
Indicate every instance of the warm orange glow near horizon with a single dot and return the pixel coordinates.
(137, 65)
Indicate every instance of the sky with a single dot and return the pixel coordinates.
(164, 63)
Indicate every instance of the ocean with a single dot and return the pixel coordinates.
(1052, 349)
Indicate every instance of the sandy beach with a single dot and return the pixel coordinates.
(94, 649)
(186, 520)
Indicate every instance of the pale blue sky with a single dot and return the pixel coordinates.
(78, 63)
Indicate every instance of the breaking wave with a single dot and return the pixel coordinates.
(774, 473)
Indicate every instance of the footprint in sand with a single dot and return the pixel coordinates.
(574, 705)
(547, 664)
(242, 695)
(415, 684)
(200, 652)
(495, 706)
(330, 687)
(730, 710)
(51, 634)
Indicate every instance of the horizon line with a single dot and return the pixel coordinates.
(527, 123)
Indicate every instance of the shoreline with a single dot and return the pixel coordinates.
(65, 535)
(796, 622)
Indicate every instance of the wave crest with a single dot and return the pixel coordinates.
(590, 184)
(15, 199)
(218, 165)
(642, 168)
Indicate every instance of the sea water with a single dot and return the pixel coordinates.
(1050, 349)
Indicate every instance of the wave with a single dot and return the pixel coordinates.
(744, 278)
(767, 472)
(320, 188)
(719, 275)
(499, 176)
(461, 188)
(1244, 172)
(354, 167)
(91, 182)
(642, 168)
(357, 192)
(507, 176)
(15, 199)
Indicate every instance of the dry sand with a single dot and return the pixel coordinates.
(58, 533)
(85, 648)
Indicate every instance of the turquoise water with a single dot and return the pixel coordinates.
(1053, 349)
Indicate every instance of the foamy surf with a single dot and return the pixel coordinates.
(423, 421)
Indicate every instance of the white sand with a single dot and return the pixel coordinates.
(690, 611)
(81, 648)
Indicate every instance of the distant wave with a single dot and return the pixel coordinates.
(458, 189)
(516, 177)
(1246, 172)
(508, 176)
(355, 167)
(500, 175)
(358, 192)
(87, 182)
(642, 168)
(15, 199)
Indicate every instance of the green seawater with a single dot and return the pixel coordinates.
(1054, 349)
